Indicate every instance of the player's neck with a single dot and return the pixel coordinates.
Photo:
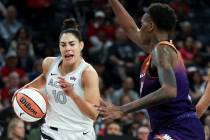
(158, 37)
(161, 36)
(69, 68)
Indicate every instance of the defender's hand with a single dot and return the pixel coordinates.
(109, 111)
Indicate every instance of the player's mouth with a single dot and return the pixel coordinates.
(68, 56)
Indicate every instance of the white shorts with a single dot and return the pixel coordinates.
(51, 133)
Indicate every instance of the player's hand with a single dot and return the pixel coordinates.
(66, 86)
(109, 111)
(14, 94)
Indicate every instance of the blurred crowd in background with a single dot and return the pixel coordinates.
(29, 31)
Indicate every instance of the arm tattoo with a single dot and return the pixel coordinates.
(163, 59)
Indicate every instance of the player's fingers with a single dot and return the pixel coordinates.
(65, 90)
(101, 109)
(104, 103)
(107, 118)
(103, 114)
(61, 79)
(62, 85)
(96, 106)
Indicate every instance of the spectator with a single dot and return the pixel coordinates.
(143, 133)
(114, 129)
(142, 117)
(11, 86)
(99, 37)
(127, 89)
(3, 10)
(10, 25)
(37, 69)
(23, 36)
(11, 66)
(97, 24)
(207, 132)
(188, 52)
(197, 86)
(181, 8)
(99, 51)
(122, 56)
(16, 129)
(207, 120)
(25, 61)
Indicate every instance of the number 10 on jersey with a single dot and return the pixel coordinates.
(59, 97)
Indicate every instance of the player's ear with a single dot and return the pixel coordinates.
(151, 26)
(81, 45)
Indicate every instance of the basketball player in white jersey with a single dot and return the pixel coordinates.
(72, 88)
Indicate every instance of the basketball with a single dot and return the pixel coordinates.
(29, 104)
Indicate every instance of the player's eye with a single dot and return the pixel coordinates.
(62, 44)
(72, 44)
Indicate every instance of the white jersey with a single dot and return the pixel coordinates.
(62, 111)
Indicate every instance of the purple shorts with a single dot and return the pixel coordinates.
(184, 129)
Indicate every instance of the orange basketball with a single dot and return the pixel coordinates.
(30, 104)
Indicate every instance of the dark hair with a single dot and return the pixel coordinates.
(163, 16)
(71, 26)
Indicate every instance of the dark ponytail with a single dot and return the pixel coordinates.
(71, 26)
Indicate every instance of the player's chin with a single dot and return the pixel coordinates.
(69, 60)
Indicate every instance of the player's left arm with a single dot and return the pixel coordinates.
(204, 102)
(164, 58)
(90, 83)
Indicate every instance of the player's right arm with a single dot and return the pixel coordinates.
(127, 23)
(164, 58)
(204, 102)
(40, 81)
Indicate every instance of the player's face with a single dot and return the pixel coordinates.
(70, 48)
(146, 29)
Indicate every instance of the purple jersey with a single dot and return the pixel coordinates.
(168, 111)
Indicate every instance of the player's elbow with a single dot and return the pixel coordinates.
(171, 91)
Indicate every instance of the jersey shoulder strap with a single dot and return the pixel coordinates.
(168, 43)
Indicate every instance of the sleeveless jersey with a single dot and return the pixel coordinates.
(168, 111)
(62, 111)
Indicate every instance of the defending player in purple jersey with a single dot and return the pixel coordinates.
(164, 85)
